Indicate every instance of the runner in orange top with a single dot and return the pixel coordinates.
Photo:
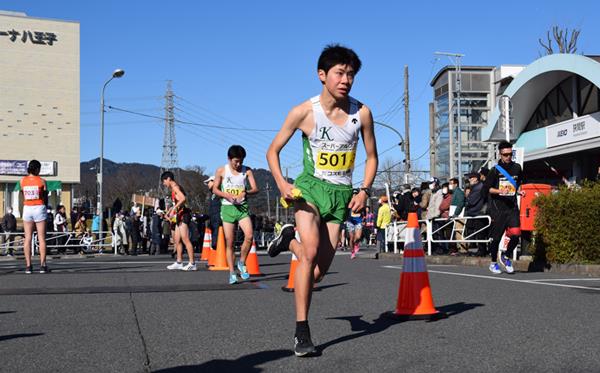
(34, 213)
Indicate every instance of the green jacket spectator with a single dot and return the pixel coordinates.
(458, 198)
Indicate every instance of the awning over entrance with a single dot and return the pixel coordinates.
(532, 84)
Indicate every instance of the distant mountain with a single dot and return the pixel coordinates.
(122, 180)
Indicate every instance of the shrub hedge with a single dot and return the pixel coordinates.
(568, 225)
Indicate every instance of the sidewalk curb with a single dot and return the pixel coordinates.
(590, 270)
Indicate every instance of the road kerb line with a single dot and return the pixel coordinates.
(507, 279)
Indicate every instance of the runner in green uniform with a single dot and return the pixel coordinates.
(230, 184)
(330, 124)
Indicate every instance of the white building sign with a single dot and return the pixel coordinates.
(573, 130)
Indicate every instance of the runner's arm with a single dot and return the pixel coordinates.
(45, 193)
(490, 182)
(253, 187)
(290, 125)
(216, 189)
(358, 202)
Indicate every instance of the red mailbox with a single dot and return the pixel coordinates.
(528, 210)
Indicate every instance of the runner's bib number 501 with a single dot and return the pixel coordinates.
(335, 161)
(234, 191)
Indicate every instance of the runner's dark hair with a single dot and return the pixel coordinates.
(166, 175)
(504, 145)
(335, 54)
(236, 151)
(34, 167)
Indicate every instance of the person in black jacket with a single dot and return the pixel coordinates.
(214, 212)
(474, 203)
(136, 237)
(9, 225)
(156, 232)
(195, 234)
(503, 184)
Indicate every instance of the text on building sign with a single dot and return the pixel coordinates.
(34, 37)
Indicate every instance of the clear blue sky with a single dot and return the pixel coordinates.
(242, 63)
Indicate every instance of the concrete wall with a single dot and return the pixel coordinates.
(39, 83)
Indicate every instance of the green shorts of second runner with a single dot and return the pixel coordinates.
(331, 199)
(233, 214)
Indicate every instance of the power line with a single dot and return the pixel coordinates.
(196, 113)
(192, 123)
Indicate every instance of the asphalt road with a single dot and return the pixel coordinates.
(115, 314)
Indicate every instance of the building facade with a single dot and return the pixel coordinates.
(555, 117)
(471, 88)
(39, 110)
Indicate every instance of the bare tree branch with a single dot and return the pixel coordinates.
(565, 44)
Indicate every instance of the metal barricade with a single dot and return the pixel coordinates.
(56, 241)
(14, 241)
(394, 232)
(446, 222)
(70, 240)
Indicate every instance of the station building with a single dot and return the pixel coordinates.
(39, 109)
(555, 117)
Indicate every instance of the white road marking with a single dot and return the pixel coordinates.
(565, 279)
(535, 282)
(110, 263)
(428, 265)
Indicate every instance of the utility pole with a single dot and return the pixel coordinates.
(505, 113)
(406, 126)
(169, 152)
(457, 88)
(268, 189)
(277, 212)
(287, 211)
(432, 140)
(458, 120)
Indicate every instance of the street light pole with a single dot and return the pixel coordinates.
(99, 210)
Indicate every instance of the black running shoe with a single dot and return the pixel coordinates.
(282, 241)
(44, 269)
(303, 346)
(29, 269)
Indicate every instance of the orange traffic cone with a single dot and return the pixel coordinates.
(212, 254)
(206, 245)
(220, 255)
(252, 262)
(290, 285)
(415, 301)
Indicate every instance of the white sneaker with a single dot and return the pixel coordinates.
(190, 267)
(494, 268)
(175, 267)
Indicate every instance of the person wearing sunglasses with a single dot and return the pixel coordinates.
(503, 184)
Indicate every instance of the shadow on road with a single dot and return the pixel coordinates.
(456, 308)
(323, 287)
(15, 336)
(5, 312)
(97, 269)
(247, 363)
(273, 264)
(357, 324)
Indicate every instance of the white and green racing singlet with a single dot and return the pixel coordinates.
(330, 149)
(233, 184)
